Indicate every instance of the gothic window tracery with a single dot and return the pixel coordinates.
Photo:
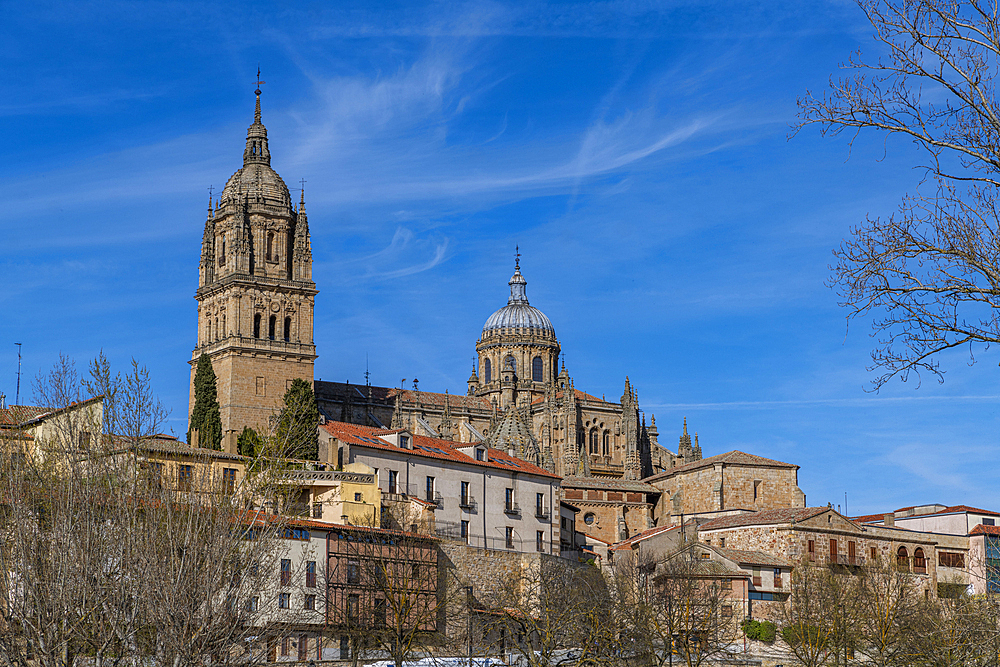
(594, 441)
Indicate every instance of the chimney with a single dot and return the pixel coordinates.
(890, 520)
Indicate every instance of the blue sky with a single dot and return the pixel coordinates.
(637, 152)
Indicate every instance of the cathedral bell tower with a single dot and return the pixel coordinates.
(255, 292)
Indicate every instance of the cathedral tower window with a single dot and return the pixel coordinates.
(594, 441)
(222, 333)
(487, 371)
(256, 325)
(217, 334)
(270, 244)
(208, 331)
(607, 443)
(222, 255)
(288, 329)
(271, 322)
(536, 369)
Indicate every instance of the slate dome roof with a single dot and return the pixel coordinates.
(518, 313)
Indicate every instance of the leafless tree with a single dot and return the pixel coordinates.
(102, 562)
(887, 615)
(549, 613)
(930, 274)
(815, 621)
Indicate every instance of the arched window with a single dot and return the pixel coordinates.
(216, 329)
(208, 331)
(536, 369)
(256, 325)
(222, 255)
(594, 442)
(222, 332)
(487, 371)
(270, 326)
(607, 443)
(270, 244)
(919, 562)
(288, 329)
(902, 559)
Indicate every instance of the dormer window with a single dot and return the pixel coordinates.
(404, 441)
(480, 454)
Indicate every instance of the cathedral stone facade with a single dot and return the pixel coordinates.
(255, 291)
(522, 400)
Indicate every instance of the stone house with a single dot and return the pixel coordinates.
(483, 497)
(724, 483)
(822, 536)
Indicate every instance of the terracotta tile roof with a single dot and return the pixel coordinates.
(870, 518)
(367, 436)
(744, 557)
(734, 457)
(608, 484)
(985, 530)
(764, 517)
(410, 397)
(644, 535)
(18, 414)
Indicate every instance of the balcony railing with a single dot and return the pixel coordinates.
(542, 513)
(467, 503)
(512, 509)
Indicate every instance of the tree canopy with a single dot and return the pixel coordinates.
(296, 435)
(205, 416)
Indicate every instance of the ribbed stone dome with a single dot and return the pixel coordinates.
(518, 314)
(257, 179)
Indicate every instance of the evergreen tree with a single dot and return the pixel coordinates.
(205, 415)
(249, 443)
(296, 434)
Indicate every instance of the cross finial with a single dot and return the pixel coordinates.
(259, 82)
(210, 189)
(517, 258)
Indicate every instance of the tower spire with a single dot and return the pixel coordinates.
(256, 150)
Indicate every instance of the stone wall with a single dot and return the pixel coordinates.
(723, 486)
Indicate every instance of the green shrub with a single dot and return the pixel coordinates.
(763, 631)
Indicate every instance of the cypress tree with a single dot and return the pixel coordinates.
(249, 443)
(297, 424)
(205, 415)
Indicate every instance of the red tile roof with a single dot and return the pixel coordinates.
(18, 414)
(434, 448)
(985, 530)
(764, 517)
(734, 457)
(644, 535)
(578, 395)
